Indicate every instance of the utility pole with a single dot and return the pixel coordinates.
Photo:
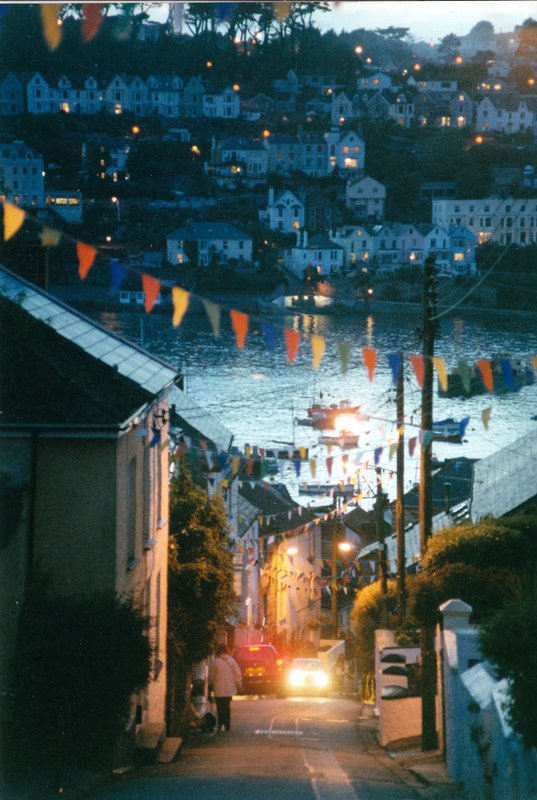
(399, 502)
(428, 655)
(379, 509)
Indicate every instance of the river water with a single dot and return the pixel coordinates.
(257, 395)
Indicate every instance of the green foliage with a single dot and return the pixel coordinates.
(489, 543)
(77, 662)
(508, 640)
(371, 610)
(200, 590)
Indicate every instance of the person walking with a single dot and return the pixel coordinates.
(225, 680)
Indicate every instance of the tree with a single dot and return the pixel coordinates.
(76, 664)
(200, 583)
(449, 46)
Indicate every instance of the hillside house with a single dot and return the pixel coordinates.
(208, 243)
(284, 151)
(504, 220)
(165, 96)
(317, 252)
(222, 105)
(41, 98)
(22, 175)
(285, 212)
(345, 151)
(237, 159)
(11, 95)
(366, 197)
(359, 245)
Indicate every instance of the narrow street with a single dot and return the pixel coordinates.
(294, 749)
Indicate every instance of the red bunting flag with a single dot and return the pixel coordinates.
(92, 20)
(86, 256)
(419, 369)
(370, 360)
(292, 342)
(486, 372)
(151, 287)
(239, 323)
(412, 445)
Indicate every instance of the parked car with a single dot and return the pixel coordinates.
(307, 676)
(262, 669)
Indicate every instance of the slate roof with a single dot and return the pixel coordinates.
(458, 472)
(196, 231)
(320, 242)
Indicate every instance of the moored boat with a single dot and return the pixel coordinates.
(450, 430)
(343, 439)
(508, 375)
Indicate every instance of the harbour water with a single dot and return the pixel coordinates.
(258, 395)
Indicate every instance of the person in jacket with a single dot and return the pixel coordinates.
(225, 680)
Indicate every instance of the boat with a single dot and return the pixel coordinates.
(450, 430)
(343, 439)
(471, 383)
(333, 410)
(335, 489)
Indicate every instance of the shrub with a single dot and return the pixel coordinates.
(371, 610)
(486, 544)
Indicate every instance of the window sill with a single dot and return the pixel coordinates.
(161, 523)
(149, 544)
(132, 563)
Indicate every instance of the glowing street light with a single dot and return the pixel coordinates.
(115, 201)
(358, 49)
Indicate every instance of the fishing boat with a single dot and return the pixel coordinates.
(333, 410)
(450, 430)
(334, 489)
(508, 375)
(343, 439)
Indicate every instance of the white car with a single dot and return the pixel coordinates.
(307, 676)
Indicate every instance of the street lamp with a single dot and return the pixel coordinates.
(115, 201)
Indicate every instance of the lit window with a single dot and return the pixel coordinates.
(458, 256)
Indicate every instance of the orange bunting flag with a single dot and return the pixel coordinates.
(52, 31)
(13, 219)
(370, 360)
(281, 9)
(292, 342)
(92, 20)
(440, 366)
(534, 362)
(180, 299)
(239, 323)
(419, 369)
(485, 417)
(317, 346)
(151, 287)
(213, 312)
(50, 237)
(486, 373)
(86, 256)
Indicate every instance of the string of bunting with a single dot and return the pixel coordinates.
(14, 217)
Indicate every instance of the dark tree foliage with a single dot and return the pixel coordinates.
(77, 662)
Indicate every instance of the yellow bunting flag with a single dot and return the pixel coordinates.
(370, 360)
(393, 449)
(485, 417)
(486, 372)
(292, 342)
(213, 312)
(86, 256)
(180, 299)
(303, 453)
(13, 219)
(313, 467)
(440, 366)
(419, 369)
(50, 237)
(151, 287)
(281, 9)
(534, 362)
(344, 355)
(317, 346)
(52, 30)
(92, 20)
(239, 323)
(235, 463)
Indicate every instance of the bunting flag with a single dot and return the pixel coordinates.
(155, 439)
(151, 287)
(52, 30)
(239, 323)
(92, 20)
(486, 372)
(213, 312)
(344, 355)
(313, 467)
(86, 256)
(118, 272)
(317, 346)
(419, 369)
(534, 362)
(440, 366)
(378, 453)
(485, 417)
(426, 437)
(13, 219)
(396, 363)
(464, 372)
(269, 334)
(370, 360)
(50, 237)
(235, 464)
(282, 9)
(292, 342)
(507, 372)
(393, 449)
(180, 300)
(329, 463)
(463, 424)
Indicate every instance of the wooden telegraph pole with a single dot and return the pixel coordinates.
(428, 655)
(379, 509)
(399, 502)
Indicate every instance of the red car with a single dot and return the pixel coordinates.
(262, 669)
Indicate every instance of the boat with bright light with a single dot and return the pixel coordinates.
(343, 439)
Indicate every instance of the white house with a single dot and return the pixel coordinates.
(138, 97)
(358, 243)
(11, 96)
(410, 243)
(285, 212)
(313, 154)
(208, 241)
(325, 256)
(222, 105)
(345, 151)
(461, 110)
(41, 98)
(388, 254)
(375, 81)
(165, 96)
(237, 158)
(116, 95)
(366, 197)
(283, 151)
(193, 94)
(22, 176)
(503, 220)
(342, 108)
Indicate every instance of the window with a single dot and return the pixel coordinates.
(458, 256)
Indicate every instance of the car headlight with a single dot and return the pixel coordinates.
(296, 677)
(321, 679)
